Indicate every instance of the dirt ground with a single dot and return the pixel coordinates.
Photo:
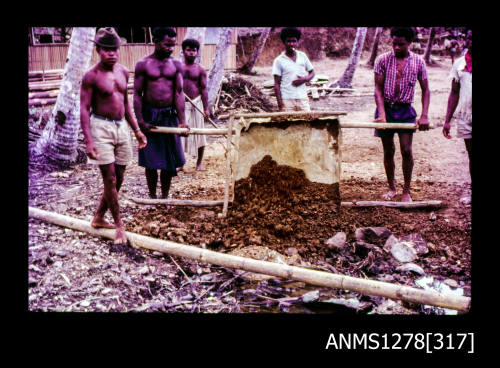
(72, 271)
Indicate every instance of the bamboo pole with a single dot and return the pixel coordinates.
(177, 202)
(416, 204)
(313, 277)
(291, 114)
(228, 165)
(381, 125)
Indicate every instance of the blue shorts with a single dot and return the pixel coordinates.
(163, 151)
(396, 113)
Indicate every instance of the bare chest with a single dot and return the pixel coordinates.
(191, 74)
(107, 83)
(157, 69)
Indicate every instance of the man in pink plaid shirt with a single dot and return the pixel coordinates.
(396, 73)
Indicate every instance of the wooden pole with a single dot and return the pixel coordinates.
(203, 131)
(291, 114)
(381, 125)
(416, 204)
(228, 165)
(313, 277)
(177, 202)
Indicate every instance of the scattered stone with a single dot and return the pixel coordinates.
(311, 296)
(337, 242)
(411, 267)
(255, 239)
(391, 240)
(451, 283)
(143, 270)
(390, 306)
(32, 281)
(292, 251)
(373, 235)
(385, 278)
(432, 216)
(404, 252)
(85, 303)
(418, 242)
(466, 200)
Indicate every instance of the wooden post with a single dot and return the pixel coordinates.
(312, 277)
(228, 165)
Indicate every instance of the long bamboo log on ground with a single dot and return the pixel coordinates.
(313, 277)
(294, 114)
(228, 166)
(41, 102)
(44, 94)
(176, 202)
(416, 204)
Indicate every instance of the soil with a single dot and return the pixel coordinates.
(276, 212)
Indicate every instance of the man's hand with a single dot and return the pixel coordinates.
(300, 80)
(380, 119)
(446, 130)
(146, 127)
(423, 123)
(91, 150)
(184, 126)
(141, 138)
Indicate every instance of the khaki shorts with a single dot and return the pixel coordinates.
(112, 141)
(296, 104)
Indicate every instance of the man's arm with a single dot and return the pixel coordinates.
(179, 99)
(277, 91)
(452, 106)
(301, 80)
(139, 83)
(141, 138)
(379, 97)
(85, 103)
(204, 90)
(423, 122)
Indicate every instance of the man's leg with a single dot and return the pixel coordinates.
(111, 197)
(152, 180)
(405, 144)
(201, 150)
(389, 150)
(468, 146)
(165, 179)
(98, 220)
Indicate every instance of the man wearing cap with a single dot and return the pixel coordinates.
(104, 108)
(159, 101)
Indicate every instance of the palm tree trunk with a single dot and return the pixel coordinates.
(216, 72)
(346, 80)
(59, 139)
(252, 60)
(197, 33)
(430, 41)
(376, 41)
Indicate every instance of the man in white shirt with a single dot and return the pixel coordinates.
(460, 99)
(292, 70)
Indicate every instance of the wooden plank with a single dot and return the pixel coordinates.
(415, 204)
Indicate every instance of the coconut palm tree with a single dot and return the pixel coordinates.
(346, 80)
(216, 72)
(252, 60)
(376, 40)
(428, 49)
(59, 139)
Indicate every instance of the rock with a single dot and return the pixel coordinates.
(432, 216)
(338, 241)
(418, 242)
(85, 303)
(392, 307)
(255, 239)
(373, 235)
(311, 296)
(451, 283)
(404, 252)
(385, 278)
(32, 282)
(143, 270)
(391, 240)
(411, 267)
(292, 251)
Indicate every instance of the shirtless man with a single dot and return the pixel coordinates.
(195, 87)
(104, 108)
(159, 101)
(396, 73)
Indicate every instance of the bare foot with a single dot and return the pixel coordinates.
(200, 168)
(389, 195)
(180, 169)
(406, 197)
(101, 223)
(120, 237)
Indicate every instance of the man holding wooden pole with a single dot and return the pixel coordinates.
(104, 108)
(159, 101)
(396, 74)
